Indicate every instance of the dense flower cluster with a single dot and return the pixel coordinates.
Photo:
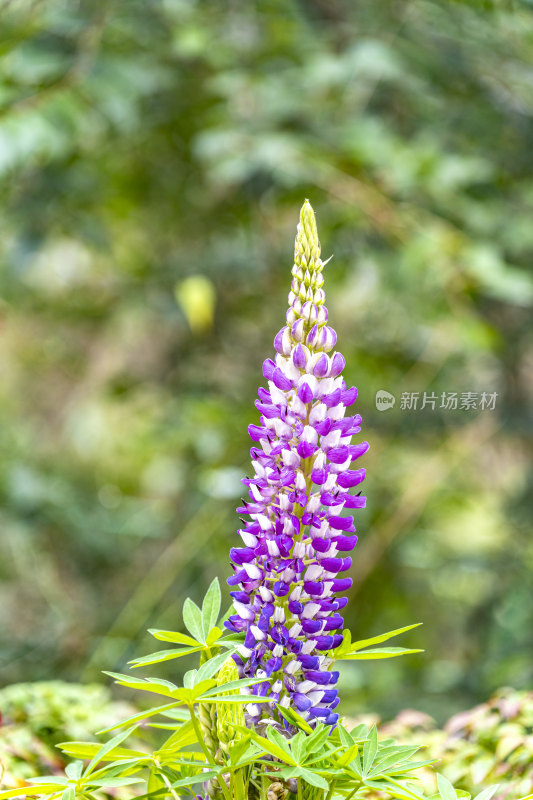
(287, 573)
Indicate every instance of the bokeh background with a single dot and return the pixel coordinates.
(154, 155)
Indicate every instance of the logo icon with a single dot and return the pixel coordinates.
(384, 400)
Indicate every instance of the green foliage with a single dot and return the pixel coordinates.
(37, 716)
(320, 763)
(488, 744)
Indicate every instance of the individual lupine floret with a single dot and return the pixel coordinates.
(294, 543)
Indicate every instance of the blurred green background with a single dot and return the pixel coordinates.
(153, 159)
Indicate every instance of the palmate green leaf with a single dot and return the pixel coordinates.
(378, 652)
(192, 618)
(281, 751)
(308, 775)
(163, 655)
(211, 607)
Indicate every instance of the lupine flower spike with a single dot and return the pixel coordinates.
(287, 573)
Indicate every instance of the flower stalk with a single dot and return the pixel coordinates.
(287, 580)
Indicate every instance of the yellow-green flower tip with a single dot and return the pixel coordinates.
(307, 246)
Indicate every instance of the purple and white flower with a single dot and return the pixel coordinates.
(288, 573)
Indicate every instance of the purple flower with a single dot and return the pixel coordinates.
(288, 573)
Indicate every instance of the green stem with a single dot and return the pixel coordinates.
(210, 760)
(349, 797)
(299, 784)
(331, 790)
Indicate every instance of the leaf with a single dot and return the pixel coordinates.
(277, 738)
(488, 793)
(316, 741)
(213, 636)
(115, 782)
(283, 753)
(447, 792)
(213, 665)
(227, 615)
(348, 755)
(396, 789)
(211, 607)
(240, 684)
(74, 770)
(294, 718)
(87, 750)
(184, 736)
(360, 732)
(383, 637)
(191, 779)
(313, 778)
(370, 748)
(106, 748)
(345, 738)
(238, 748)
(173, 636)
(297, 746)
(36, 789)
(69, 793)
(150, 712)
(231, 698)
(155, 685)
(192, 617)
(378, 652)
(163, 655)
